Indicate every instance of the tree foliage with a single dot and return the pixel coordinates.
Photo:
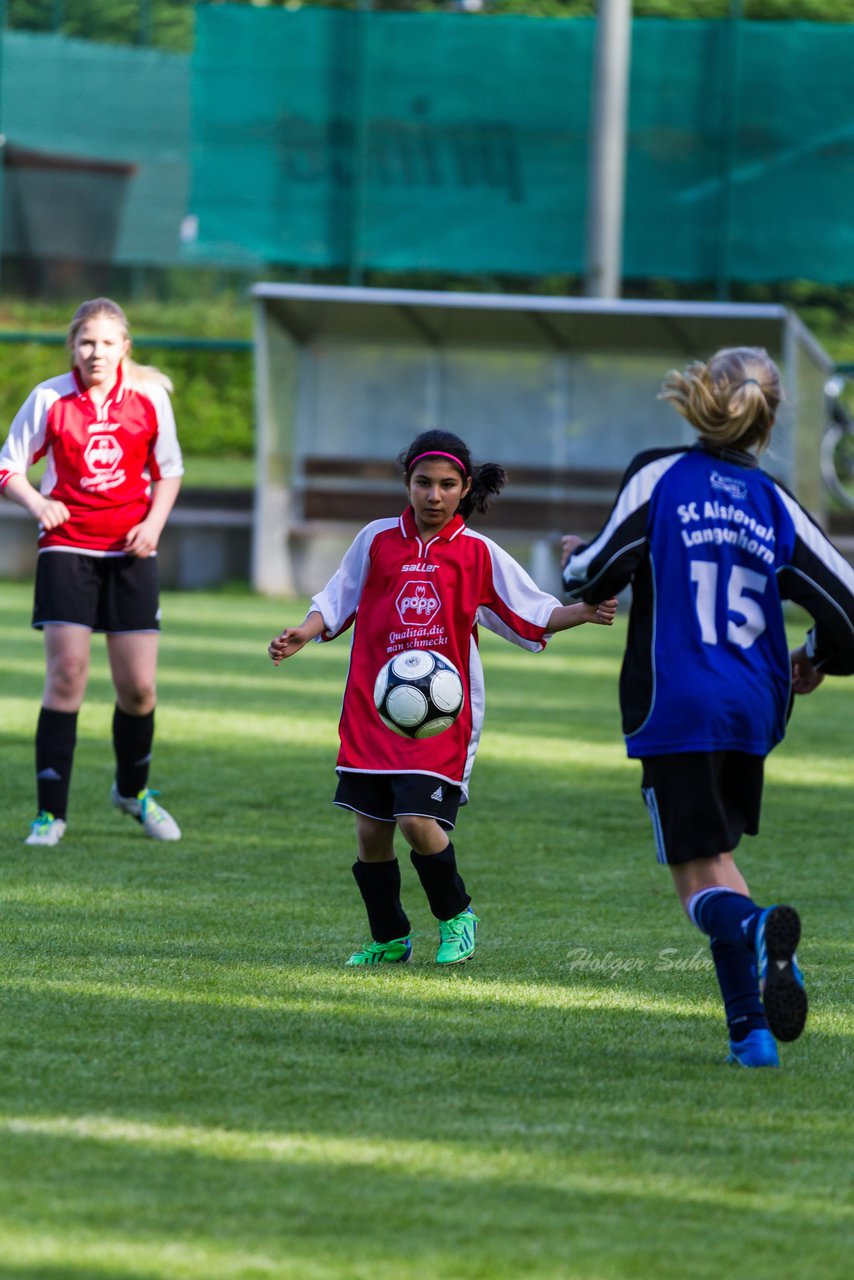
(165, 24)
(168, 24)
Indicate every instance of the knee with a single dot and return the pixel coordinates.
(376, 839)
(66, 679)
(422, 834)
(137, 699)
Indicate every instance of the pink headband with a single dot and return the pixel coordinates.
(437, 453)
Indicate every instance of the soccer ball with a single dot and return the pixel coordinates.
(418, 693)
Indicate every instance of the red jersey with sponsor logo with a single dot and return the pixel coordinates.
(101, 459)
(400, 592)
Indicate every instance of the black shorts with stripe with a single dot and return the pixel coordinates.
(104, 593)
(389, 796)
(702, 802)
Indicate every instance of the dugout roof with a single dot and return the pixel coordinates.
(313, 312)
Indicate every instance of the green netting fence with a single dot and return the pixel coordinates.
(405, 141)
(429, 142)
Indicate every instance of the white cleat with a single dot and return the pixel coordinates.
(151, 816)
(46, 830)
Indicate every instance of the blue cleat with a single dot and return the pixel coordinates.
(781, 984)
(757, 1049)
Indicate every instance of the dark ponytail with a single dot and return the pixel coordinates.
(486, 483)
(487, 479)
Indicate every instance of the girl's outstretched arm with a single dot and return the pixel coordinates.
(573, 615)
(292, 639)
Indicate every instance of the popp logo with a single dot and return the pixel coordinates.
(417, 604)
(103, 454)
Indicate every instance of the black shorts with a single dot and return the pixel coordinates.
(702, 803)
(389, 796)
(103, 593)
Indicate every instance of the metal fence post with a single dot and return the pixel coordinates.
(607, 166)
(729, 127)
(361, 126)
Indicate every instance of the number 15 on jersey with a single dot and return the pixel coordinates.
(741, 586)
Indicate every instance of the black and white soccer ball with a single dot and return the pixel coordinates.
(418, 693)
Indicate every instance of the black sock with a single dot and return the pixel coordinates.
(442, 882)
(56, 735)
(379, 885)
(132, 740)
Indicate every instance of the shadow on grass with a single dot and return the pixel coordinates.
(302, 1135)
(341, 1210)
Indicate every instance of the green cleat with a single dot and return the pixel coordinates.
(456, 938)
(397, 951)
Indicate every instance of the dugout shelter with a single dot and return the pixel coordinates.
(560, 391)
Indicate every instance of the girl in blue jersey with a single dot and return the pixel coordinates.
(712, 546)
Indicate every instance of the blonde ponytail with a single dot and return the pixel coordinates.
(137, 375)
(731, 400)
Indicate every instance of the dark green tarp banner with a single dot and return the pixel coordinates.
(405, 141)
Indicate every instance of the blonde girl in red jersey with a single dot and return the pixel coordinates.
(113, 473)
(417, 785)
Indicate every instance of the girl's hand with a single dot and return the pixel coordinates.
(569, 542)
(141, 541)
(603, 614)
(291, 640)
(50, 513)
(805, 677)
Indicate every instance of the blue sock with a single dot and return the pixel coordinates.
(723, 913)
(739, 984)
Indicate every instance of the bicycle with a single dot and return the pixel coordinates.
(837, 445)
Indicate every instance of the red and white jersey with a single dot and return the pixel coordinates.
(401, 592)
(101, 459)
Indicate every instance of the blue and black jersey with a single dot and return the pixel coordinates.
(712, 546)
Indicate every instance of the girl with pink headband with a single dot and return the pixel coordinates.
(422, 580)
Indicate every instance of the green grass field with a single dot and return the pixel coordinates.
(191, 1085)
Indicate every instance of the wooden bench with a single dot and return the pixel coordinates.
(538, 502)
(215, 508)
